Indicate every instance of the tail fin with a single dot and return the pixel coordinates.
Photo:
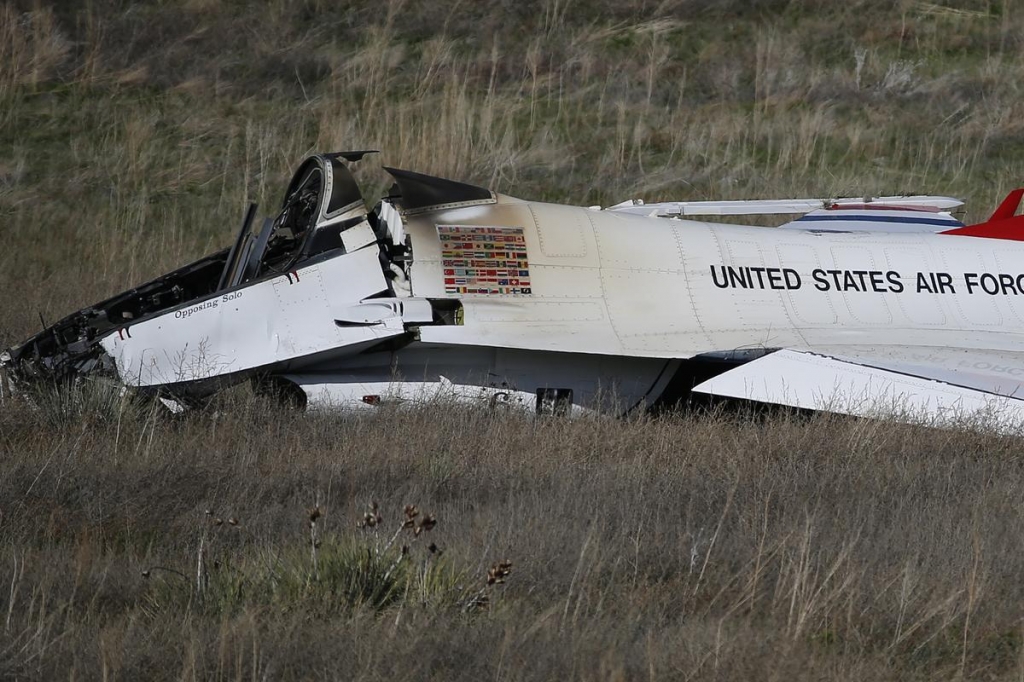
(1004, 223)
(1008, 208)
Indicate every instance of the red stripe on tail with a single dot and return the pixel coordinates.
(1004, 223)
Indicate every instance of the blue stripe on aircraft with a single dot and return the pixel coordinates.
(948, 222)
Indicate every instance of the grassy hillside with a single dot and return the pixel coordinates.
(715, 548)
(133, 135)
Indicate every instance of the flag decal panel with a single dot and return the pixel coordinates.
(484, 260)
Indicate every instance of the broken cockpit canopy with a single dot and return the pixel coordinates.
(322, 201)
(418, 193)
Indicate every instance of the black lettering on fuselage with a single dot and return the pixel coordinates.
(877, 283)
(738, 276)
(923, 284)
(945, 282)
(746, 277)
(971, 281)
(989, 284)
(714, 278)
(863, 281)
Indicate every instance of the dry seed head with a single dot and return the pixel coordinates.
(314, 513)
(372, 518)
(427, 522)
(499, 572)
(411, 512)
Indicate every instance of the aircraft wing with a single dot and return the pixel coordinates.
(680, 209)
(890, 382)
(842, 219)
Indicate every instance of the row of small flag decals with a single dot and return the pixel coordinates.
(484, 260)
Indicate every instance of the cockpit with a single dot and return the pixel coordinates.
(323, 215)
(322, 202)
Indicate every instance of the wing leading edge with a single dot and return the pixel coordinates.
(871, 387)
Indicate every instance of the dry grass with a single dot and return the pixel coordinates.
(718, 546)
(726, 547)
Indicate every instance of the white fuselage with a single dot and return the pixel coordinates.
(622, 285)
(645, 291)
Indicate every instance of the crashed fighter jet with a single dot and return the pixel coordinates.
(447, 289)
